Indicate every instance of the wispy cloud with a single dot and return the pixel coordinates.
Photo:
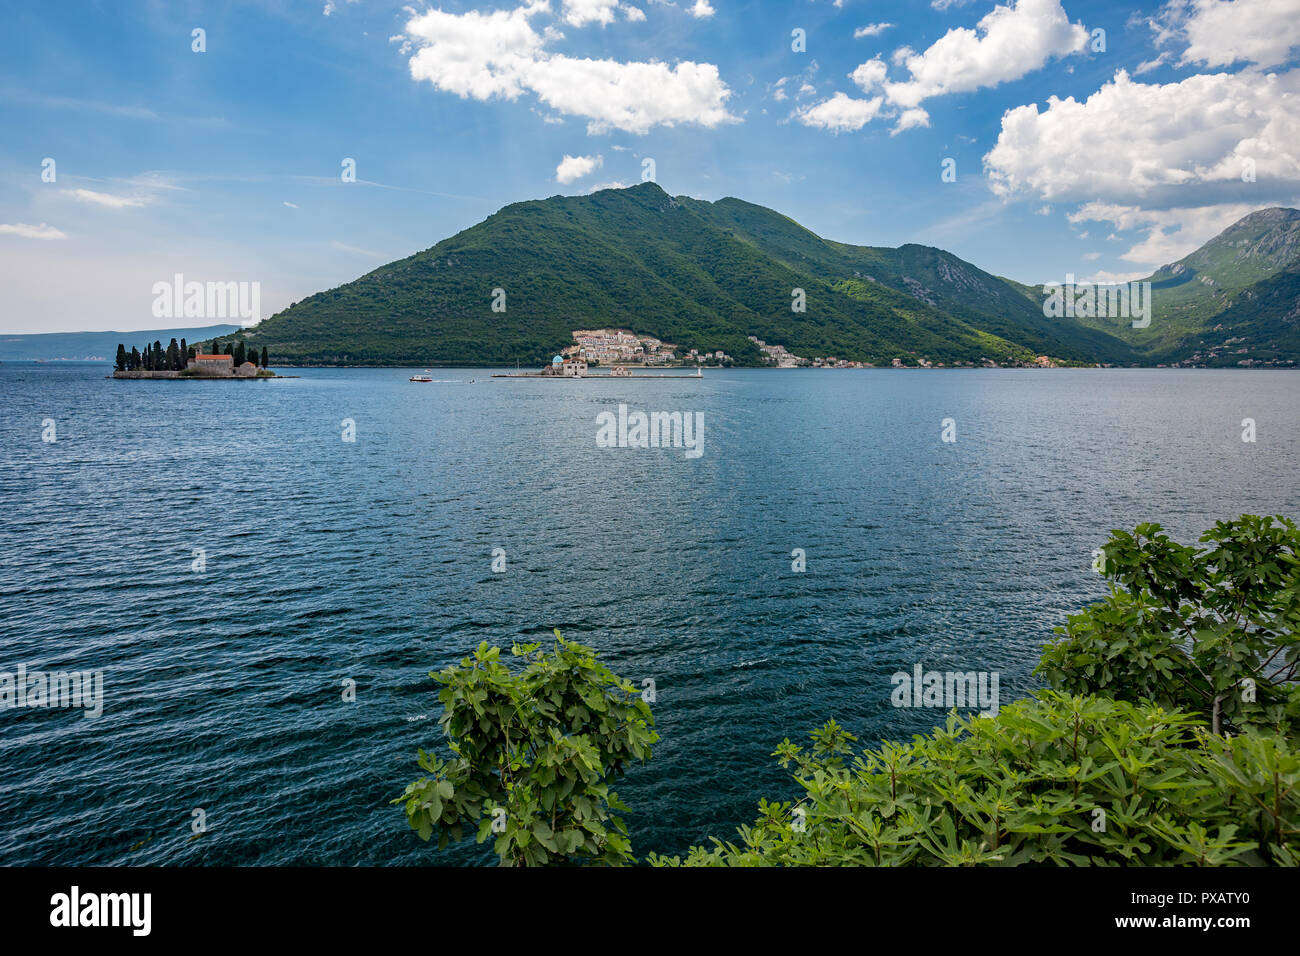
(107, 200)
(47, 102)
(335, 181)
(31, 232)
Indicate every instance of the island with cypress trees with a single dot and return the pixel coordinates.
(233, 360)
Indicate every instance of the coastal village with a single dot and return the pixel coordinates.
(778, 357)
(622, 347)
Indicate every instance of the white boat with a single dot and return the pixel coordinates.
(422, 378)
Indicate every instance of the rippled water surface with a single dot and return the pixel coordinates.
(328, 560)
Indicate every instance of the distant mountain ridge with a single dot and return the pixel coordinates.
(1235, 300)
(94, 346)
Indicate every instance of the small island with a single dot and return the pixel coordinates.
(178, 360)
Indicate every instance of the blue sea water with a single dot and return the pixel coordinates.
(370, 561)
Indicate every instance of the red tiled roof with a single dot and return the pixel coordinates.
(213, 357)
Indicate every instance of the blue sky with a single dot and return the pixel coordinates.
(224, 165)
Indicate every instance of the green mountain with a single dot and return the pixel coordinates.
(95, 346)
(1235, 299)
(700, 275)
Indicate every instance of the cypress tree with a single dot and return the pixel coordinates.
(240, 354)
(135, 359)
(121, 357)
(264, 359)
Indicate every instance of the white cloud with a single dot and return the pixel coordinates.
(31, 232)
(575, 167)
(871, 30)
(1130, 138)
(1223, 32)
(599, 186)
(291, 205)
(580, 12)
(1167, 161)
(910, 119)
(1170, 233)
(840, 113)
(107, 200)
(476, 55)
(869, 75)
(945, 4)
(634, 14)
(1006, 44)
(701, 10)
(499, 54)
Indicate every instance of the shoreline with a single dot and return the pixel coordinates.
(169, 376)
(712, 368)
